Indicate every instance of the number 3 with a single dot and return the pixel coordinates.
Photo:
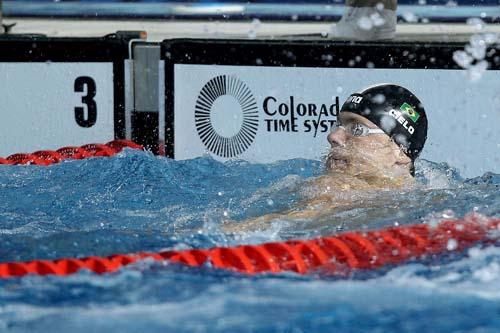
(88, 100)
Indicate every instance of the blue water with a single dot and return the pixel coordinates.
(136, 201)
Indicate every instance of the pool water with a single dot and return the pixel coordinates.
(139, 202)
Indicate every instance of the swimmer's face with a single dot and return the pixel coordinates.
(374, 154)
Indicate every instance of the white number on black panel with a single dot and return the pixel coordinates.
(86, 119)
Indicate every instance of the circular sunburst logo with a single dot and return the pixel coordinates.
(226, 116)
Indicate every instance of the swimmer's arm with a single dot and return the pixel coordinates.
(308, 209)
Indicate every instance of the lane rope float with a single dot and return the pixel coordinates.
(346, 251)
(48, 157)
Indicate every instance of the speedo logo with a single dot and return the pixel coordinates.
(399, 117)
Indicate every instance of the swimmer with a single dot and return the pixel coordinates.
(379, 133)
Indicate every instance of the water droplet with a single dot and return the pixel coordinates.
(256, 23)
(448, 214)
(477, 51)
(270, 202)
(462, 58)
(365, 23)
(476, 23)
(476, 72)
(452, 244)
(410, 17)
(377, 20)
(252, 34)
(327, 57)
(388, 123)
(379, 98)
(490, 38)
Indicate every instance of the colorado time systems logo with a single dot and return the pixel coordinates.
(222, 98)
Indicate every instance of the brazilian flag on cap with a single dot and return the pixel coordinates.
(408, 109)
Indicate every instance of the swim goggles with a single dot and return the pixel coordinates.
(357, 129)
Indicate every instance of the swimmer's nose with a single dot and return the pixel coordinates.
(337, 137)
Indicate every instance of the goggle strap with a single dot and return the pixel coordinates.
(370, 130)
(375, 131)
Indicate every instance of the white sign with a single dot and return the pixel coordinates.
(50, 105)
(264, 114)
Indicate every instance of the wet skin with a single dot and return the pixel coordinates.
(356, 167)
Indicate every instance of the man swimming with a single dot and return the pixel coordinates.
(379, 134)
(380, 131)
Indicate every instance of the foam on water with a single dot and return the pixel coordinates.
(136, 202)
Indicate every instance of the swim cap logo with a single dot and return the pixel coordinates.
(222, 97)
(408, 109)
(354, 99)
(398, 115)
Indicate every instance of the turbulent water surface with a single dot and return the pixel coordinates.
(136, 201)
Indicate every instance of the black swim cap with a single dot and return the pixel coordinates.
(396, 111)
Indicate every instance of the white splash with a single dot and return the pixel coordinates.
(474, 54)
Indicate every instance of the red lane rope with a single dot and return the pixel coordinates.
(353, 250)
(48, 157)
